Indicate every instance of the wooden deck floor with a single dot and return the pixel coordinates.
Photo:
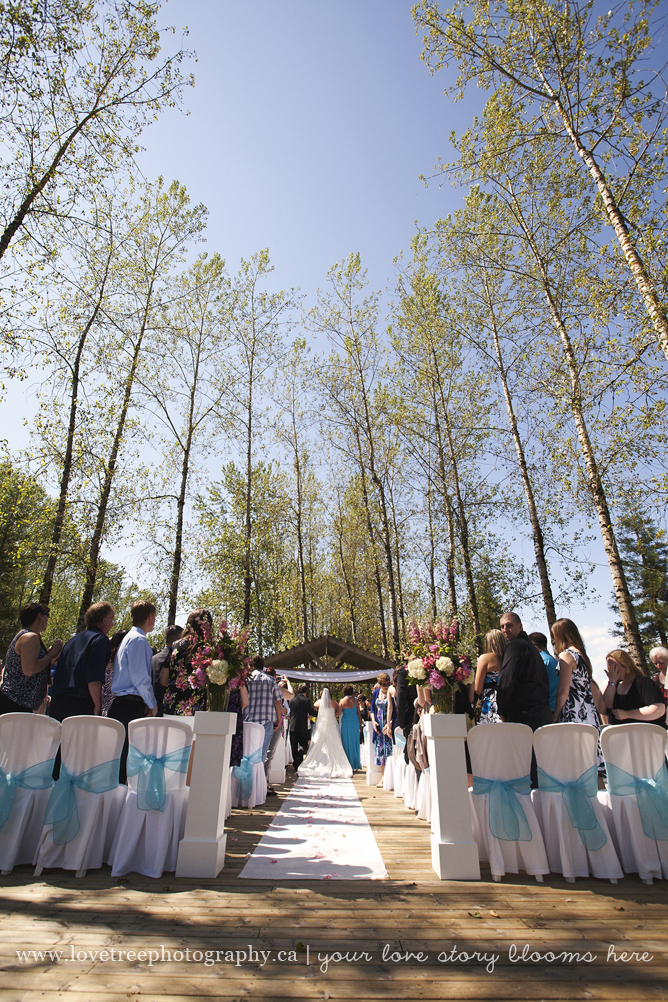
(365, 928)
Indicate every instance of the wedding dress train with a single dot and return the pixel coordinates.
(326, 757)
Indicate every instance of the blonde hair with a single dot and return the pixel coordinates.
(566, 634)
(383, 678)
(495, 643)
(624, 658)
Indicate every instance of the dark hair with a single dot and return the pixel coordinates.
(96, 613)
(348, 690)
(172, 633)
(539, 639)
(30, 612)
(303, 687)
(270, 671)
(395, 676)
(257, 663)
(115, 641)
(513, 617)
(193, 630)
(140, 611)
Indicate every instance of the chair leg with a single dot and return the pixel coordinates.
(5, 873)
(38, 870)
(569, 880)
(539, 878)
(648, 880)
(81, 873)
(496, 877)
(613, 880)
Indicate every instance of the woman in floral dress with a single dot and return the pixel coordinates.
(182, 698)
(487, 677)
(577, 693)
(382, 730)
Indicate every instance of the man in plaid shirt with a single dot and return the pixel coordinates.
(264, 702)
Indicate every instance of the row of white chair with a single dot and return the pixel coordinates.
(567, 825)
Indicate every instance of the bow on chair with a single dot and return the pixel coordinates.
(507, 820)
(652, 797)
(244, 773)
(400, 740)
(61, 810)
(578, 795)
(151, 772)
(35, 777)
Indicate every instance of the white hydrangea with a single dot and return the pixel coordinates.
(217, 672)
(416, 668)
(445, 665)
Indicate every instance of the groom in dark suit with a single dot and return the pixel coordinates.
(301, 708)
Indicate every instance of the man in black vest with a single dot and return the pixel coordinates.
(301, 708)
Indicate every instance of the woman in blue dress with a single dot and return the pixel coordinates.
(351, 721)
(382, 726)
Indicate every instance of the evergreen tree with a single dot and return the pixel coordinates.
(645, 558)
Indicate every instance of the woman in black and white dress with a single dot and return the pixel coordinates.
(578, 695)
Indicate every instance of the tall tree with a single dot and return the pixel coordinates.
(579, 79)
(78, 83)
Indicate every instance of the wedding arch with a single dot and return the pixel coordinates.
(325, 653)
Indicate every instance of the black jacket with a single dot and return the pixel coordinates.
(301, 708)
(523, 689)
(406, 695)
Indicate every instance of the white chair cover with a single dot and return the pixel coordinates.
(566, 752)
(423, 805)
(388, 774)
(639, 750)
(253, 740)
(399, 762)
(86, 742)
(410, 787)
(280, 760)
(26, 741)
(147, 841)
(502, 753)
(364, 757)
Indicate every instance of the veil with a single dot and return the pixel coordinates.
(326, 757)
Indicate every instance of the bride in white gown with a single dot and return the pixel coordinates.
(326, 757)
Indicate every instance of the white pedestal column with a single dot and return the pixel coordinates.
(202, 849)
(454, 853)
(374, 773)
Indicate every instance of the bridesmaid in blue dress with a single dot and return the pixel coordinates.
(350, 726)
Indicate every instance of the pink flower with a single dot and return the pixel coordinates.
(433, 648)
(462, 673)
(223, 626)
(200, 675)
(436, 680)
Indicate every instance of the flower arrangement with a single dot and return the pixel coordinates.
(211, 668)
(433, 659)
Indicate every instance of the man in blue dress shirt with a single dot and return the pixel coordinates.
(132, 682)
(539, 640)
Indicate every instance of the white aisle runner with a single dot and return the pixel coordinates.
(320, 833)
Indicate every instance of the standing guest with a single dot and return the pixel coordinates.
(301, 708)
(28, 663)
(523, 690)
(382, 723)
(160, 660)
(107, 694)
(659, 658)
(264, 704)
(577, 692)
(487, 677)
(81, 668)
(539, 640)
(351, 722)
(631, 694)
(132, 684)
(277, 734)
(405, 700)
(179, 699)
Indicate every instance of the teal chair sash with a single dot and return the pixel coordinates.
(652, 797)
(578, 795)
(507, 820)
(61, 810)
(244, 773)
(35, 777)
(151, 772)
(399, 740)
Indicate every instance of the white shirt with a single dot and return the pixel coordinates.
(133, 668)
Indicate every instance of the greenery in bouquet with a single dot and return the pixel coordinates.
(433, 657)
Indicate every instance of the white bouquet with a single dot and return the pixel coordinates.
(217, 672)
(416, 669)
(445, 665)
